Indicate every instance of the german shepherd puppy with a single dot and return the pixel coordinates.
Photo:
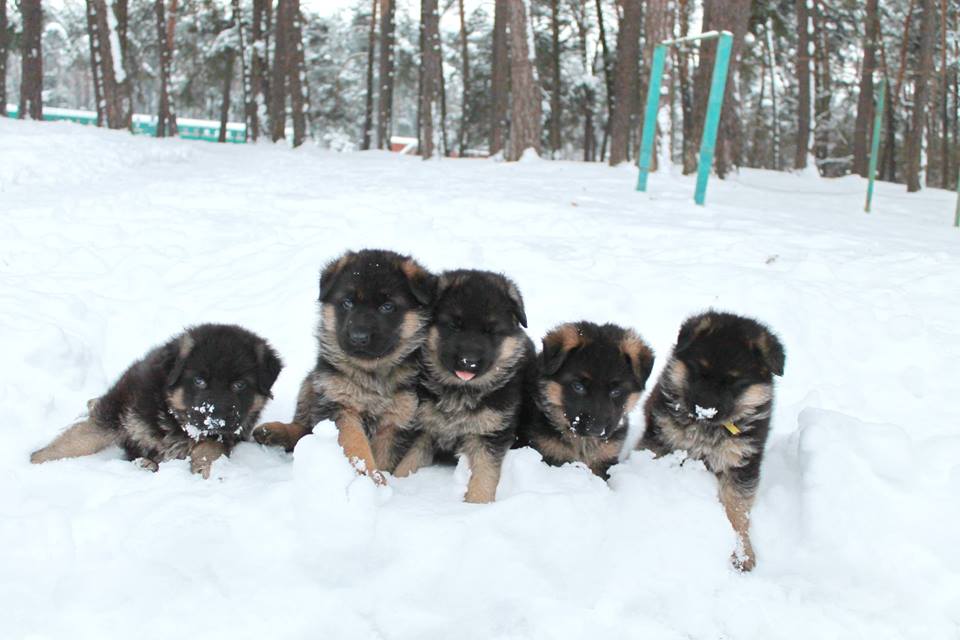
(374, 310)
(195, 396)
(474, 365)
(589, 378)
(714, 400)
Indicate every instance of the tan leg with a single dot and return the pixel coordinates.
(81, 439)
(737, 506)
(397, 416)
(280, 434)
(419, 455)
(203, 455)
(356, 446)
(484, 472)
(382, 446)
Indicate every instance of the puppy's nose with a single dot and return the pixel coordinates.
(596, 428)
(469, 364)
(359, 337)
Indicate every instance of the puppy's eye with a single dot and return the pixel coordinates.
(199, 383)
(388, 307)
(616, 393)
(578, 387)
(347, 303)
(238, 386)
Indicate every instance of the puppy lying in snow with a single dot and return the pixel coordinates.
(195, 396)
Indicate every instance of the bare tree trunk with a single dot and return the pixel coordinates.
(93, 37)
(861, 145)
(371, 57)
(500, 77)
(385, 107)
(915, 148)
(608, 79)
(4, 47)
(465, 72)
(166, 116)
(555, 84)
(430, 76)
(225, 102)
(278, 82)
(109, 72)
(31, 64)
(627, 71)
(803, 81)
(259, 82)
(525, 111)
(823, 83)
(585, 92)
(297, 74)
(732, 16)
(945, 172)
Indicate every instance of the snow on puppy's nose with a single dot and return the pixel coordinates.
(705, 413)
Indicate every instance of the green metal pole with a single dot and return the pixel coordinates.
(875, 144)
(718, 87)
(650, 116)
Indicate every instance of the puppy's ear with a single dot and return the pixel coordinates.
(423, 284)
(268, 368)
(768, 347)
(693, 328)
(514, 294)
(638, 355)
(330, 274)
(177, 359)
(557, 345)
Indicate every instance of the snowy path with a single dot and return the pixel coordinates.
(109, 244)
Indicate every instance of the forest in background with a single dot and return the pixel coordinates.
(564, 77)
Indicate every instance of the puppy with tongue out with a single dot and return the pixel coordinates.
(474, 364)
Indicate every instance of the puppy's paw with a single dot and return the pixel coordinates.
(743, 559)
(375, 474)
(203, 455)
(146, 464)
(278, 434)
(478, 497)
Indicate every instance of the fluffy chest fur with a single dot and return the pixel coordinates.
(448, 419)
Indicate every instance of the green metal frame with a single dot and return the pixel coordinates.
(711, 124)
(875, 144)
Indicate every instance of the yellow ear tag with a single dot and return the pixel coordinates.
(732, 428)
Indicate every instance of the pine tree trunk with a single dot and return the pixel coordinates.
(429, 75)
(4, 47)
(465, 73)
(166, 116)
(93, 37)
(627, 71)
(608, 79)
(297, 74)
(823, 83)
(686, 92)
(278, 82)
(388, 10)
(259, 81)
(732, 16)
(555, 84)
(921, 89)
(245, 82)
(525, 112)
(499, 77)
(109, 72)
(121, 12)
(945, 170)
(803, 82)
(657, 28)
(31, 61)
(225, 101)
(775, 115)
(371, 58)
(861, 130)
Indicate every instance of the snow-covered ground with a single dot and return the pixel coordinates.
(110, 243)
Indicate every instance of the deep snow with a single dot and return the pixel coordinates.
(109, 244)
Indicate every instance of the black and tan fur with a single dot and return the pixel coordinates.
(475, 363)
(374, 311)
(714, 400)
(195, 396)
(589, 377)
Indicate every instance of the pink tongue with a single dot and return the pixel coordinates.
(465, 375)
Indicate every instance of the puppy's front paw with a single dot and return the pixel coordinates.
(146, 464)
(203, 455)
(279, 434)
(743, 559)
